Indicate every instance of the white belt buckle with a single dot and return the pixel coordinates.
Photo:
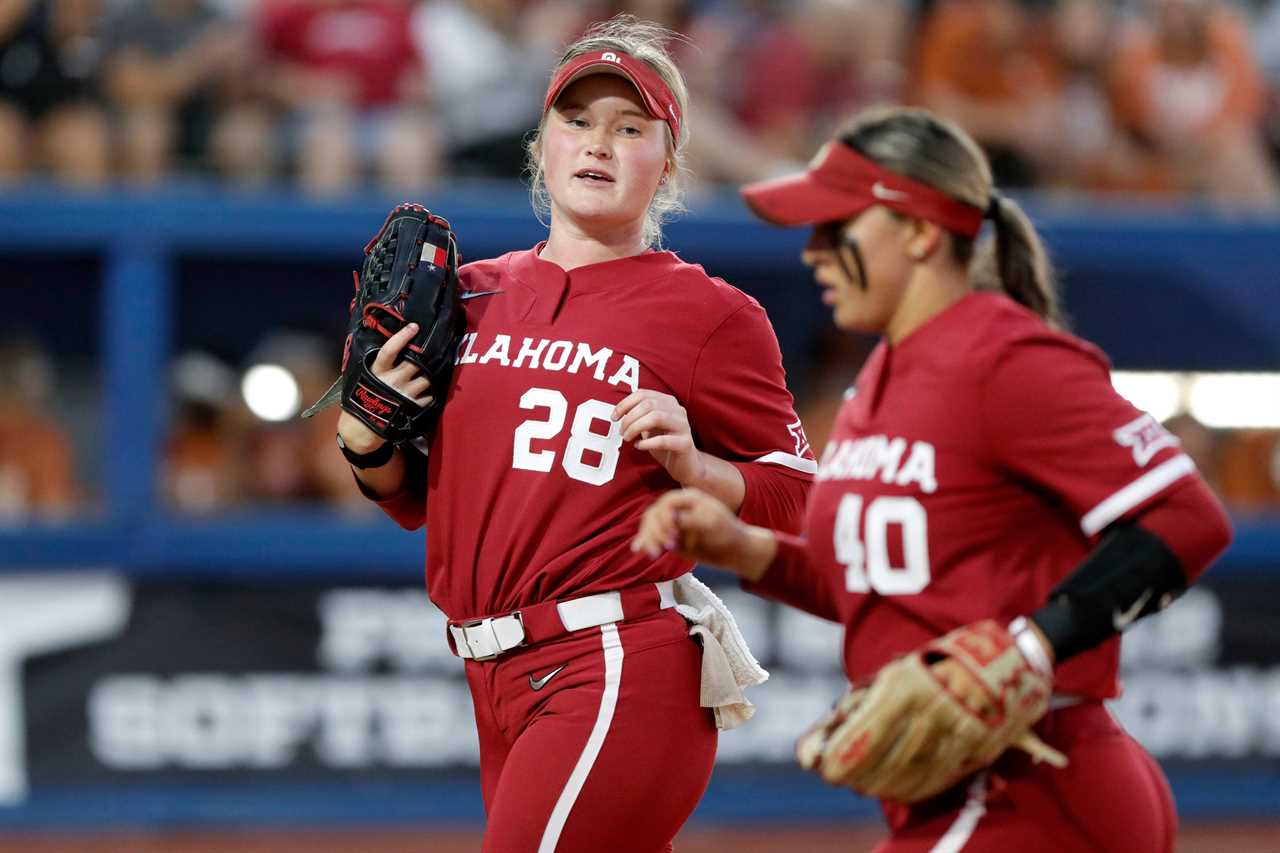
(488, 645)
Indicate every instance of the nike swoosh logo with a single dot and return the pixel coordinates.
(883, 193)
(476, 294)
(539, 683)
(1120, 619)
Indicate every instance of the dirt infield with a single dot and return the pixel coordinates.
(1198, 838)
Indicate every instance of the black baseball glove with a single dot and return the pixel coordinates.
(410, 275)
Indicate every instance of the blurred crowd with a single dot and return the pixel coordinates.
(1170, 98)
(221, 455)
(1140, 96)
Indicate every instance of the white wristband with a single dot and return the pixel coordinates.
(1030, 645)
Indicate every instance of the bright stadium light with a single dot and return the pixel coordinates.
(1236, 400)
(270, 392)
(1156, 393)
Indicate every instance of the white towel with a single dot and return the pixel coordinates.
(727, 664)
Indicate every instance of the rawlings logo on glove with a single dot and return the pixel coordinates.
(911, 735)
(409, 275)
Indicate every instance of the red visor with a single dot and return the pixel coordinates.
(840, 183)
(657, 98)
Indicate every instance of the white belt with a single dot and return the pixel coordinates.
(485, 639)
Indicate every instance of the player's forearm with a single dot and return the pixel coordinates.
(720, 479)
(398, 487)
(790, 578)
(1138, 568)
(758, 550)
(385, 481)
(1131, 574)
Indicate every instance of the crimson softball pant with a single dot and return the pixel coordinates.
(1112, 798)
(593, 742)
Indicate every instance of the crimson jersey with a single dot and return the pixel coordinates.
(971, 470)
(531, 495)
(322, 38)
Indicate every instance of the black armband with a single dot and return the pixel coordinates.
(415, 470)
(1131, 574)
(373, 459)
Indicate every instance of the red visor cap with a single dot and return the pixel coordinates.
(840, 183)
(654, 93)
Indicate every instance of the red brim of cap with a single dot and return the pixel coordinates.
(841, 183)
(801, 200)
(654, 94)
(604, 67)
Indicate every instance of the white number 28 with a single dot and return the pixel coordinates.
(581, 437)
(866, 557)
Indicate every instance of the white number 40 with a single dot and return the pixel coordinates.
(581, 437)
(866, 558)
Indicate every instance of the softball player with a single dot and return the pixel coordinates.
(596, 372)
(981, 467)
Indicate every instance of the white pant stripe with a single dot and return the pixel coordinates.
(961, 830)
(578, 778)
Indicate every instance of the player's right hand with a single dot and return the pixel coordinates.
(405, 377)
(703, 529)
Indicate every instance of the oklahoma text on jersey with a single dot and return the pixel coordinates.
(545, 354)
(880, 456)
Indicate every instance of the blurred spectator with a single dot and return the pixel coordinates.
(1188, 89)
(221, 455)
(51, 114)
(1267, 44)
(989, 66)
(1267, 40)
(199, 473)
(1251, 469)
(164, 60)
(1090, 152)
(488, 63)
(37, 464)
(804, 73)
(350, 80)
(1201, 444)
(293, 460)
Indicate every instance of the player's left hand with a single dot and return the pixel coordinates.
(932, 717)
(657, 422)
(693, 524)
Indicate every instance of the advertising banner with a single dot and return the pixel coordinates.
(112, 686)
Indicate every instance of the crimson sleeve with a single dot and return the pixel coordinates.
(792, 580)
(1053, 418)
(408, 506)
(741, 411)
(1192, 522)
(774, 498)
